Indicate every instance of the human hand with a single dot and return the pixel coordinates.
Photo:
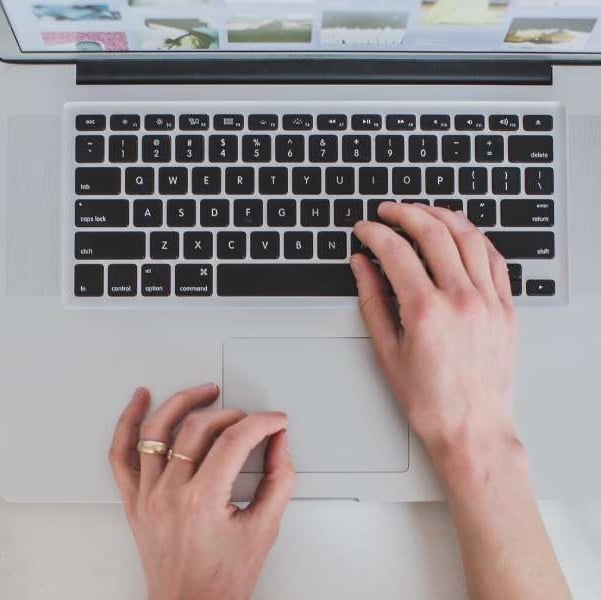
(193, 542)
(448, 353)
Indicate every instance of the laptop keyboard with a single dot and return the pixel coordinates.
(198, 203)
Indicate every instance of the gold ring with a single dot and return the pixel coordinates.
(152, 447)
(171, 454)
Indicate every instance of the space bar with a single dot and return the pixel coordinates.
(285, 280)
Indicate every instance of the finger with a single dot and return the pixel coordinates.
(123, 456)
(399, 261)
(434, 241)
(376, 307)
(231, 450)
(276, 487)
(500, 274)
(194, 440)
(472, 247)
(160, 425)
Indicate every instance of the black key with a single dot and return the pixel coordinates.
(273, 180)
(469, 122)
(296, 280)
(263, 122)
(97, 181)
(331, 122)
(515, 279)
(194, 122)
(214, 213)
(139, 181)
(125, 122)
(473, 181)
(456, 148)
(173, 181)
(297, 122)
(530, 149)
(159, 123)
(504, 122)
(101, 213)
(248, 213)
(193, 280)
(435, 122)
(156, 280)
(366, 122)
(228, 122)
(223, 148)
(122, 281)
(181, 213)
(306, 181)
(373, 181)
(356, 148)
(148, 213)
(290, 148)
(206, 181)
(156, 148)
(189, 148)
(482, 213)
(540, 182)
(390, 148)
(415, 201)
(406, 180)
(540, 287)
(110, 246)
(506, 181)
(239, 181)
(523, 244)
(347, 212)
(527, 213)
(451, 204)
(401, 122)
(298, 245)
(372, 210)
(315, 213)
(358, 247)
(264, 245)
(423, 148)
(323, 148)
(331, 245)
(340, 181)
(514, 271)
(490, 148)
(256, 148)
(89, 149)
(231, 245)
(198, 245)
(538, 123)
(123, 148)
(89, 281)
(90, 122)
(281, 213)
(164, 245)
(440, 180)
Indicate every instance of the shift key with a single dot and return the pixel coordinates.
(110, 246)
(98, 181)
(523, 244)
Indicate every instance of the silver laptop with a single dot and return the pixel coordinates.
(180, 182)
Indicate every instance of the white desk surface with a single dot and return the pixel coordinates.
(327, 550)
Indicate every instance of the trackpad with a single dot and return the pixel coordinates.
(343, 418)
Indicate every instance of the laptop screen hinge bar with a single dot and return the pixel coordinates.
(312, 71)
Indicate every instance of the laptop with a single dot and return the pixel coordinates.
(180, 182)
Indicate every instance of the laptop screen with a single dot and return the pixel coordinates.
(291, 26)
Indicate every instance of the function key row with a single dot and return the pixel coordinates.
(306, 122)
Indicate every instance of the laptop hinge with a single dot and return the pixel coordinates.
(313, 70)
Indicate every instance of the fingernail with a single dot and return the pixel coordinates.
(462, 218)
(355, 265)
(208, 386)
(286, 441)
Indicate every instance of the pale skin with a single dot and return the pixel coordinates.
(448, 354)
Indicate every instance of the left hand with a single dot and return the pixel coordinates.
(193, 542)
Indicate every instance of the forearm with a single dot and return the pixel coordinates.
(505, 548)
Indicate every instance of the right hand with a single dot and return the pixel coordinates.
(449, 352)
